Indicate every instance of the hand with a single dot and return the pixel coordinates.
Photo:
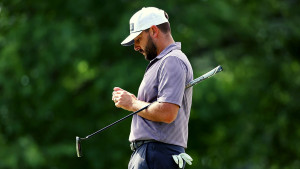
(183, 156)
(123, 99)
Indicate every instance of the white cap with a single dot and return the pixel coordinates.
(142, 20)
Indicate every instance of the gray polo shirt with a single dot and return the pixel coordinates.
(164, 81)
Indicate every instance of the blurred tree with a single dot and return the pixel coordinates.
(59, 61)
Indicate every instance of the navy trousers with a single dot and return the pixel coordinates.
(155, 155)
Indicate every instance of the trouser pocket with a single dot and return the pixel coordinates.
(159, 155)
(138, 158)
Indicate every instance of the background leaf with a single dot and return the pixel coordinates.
(59, 61)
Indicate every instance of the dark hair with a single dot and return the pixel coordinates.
(164, 27)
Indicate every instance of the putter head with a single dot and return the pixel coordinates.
(78, 147)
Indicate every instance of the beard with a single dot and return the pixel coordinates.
(150, 50)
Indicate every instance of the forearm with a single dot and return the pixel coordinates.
(158, 112)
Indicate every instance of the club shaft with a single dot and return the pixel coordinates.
(131, 114)
(190, 84)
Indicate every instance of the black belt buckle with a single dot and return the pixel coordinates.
(136, 144)
(132, 146)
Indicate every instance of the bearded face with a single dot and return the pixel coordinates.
(150, 50)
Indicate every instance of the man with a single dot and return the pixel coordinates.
(161, 130)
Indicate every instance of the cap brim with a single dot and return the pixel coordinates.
(130, 39)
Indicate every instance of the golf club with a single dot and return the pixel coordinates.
(190, 84)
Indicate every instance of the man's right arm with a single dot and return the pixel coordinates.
(157, 111)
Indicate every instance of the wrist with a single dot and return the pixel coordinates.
(135, 103)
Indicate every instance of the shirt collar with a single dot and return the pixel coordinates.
(173, 46)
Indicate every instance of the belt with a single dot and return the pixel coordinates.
(136, 144)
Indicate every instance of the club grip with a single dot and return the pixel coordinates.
(205, 76)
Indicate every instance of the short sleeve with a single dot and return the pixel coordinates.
(172, 78)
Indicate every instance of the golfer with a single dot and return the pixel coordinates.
(159, 134)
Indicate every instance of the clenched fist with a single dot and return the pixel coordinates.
(123, 99)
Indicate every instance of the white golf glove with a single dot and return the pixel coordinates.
(183, 156)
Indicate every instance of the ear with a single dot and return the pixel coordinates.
(154, 31)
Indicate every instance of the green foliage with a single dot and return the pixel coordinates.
(59, 61)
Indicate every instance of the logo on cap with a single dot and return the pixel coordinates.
(131, 27)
